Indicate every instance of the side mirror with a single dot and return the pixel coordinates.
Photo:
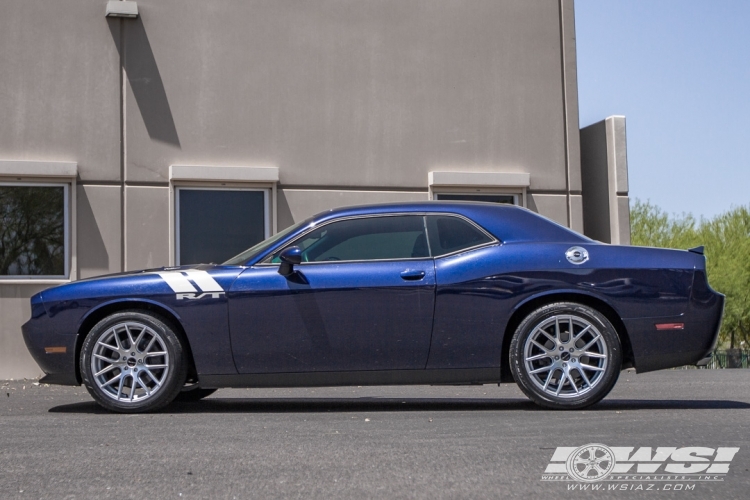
(289, 257)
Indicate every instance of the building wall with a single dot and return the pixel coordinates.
(604, 163)
(353, 102)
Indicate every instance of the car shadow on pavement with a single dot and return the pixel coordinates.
(370, 404)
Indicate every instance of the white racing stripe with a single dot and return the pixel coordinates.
(177, 282)
(204, 281)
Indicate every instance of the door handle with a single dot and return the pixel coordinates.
(412, 275)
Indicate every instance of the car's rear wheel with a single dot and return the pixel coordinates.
(133, 361)
(565, 356)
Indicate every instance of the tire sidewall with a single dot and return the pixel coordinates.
(611, 339)
(175, 377)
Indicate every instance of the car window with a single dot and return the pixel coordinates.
(369, 238)
(450, 234)
(265, 245)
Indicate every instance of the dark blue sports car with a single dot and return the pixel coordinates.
(414, 293)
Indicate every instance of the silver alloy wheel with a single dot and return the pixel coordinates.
(130, 362)
(565, 356)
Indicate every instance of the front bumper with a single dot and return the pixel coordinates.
(54, 352)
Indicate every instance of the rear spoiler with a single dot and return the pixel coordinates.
(699, 250)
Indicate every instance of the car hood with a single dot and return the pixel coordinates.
(147, 282)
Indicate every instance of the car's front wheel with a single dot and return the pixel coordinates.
(133, 361)
(565, 356)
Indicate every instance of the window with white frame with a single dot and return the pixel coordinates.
(492, 187)
(511, 199)
(34, 230)
(214, 224)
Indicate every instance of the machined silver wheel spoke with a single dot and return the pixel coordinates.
(591, 342)
(572, 382)
(538, 356)
(105, 370)
(589, 367)
(594, 355)
(140, 336)
(151, 342)
(104, 358)
(156, 381)
(110, 347)
(540, 370)
(584, 377)
(145, 387)
(571, 329)
(550, 337)
(119, 389)
(130, 336)
(549, 379)
(132, 386)
(117, 340)
(540, 346)
(580, 334)
(112, 380)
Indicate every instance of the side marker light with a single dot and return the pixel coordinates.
(670, 326)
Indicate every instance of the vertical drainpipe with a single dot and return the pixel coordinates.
(565, 113)
(123, 148)
(570, 109)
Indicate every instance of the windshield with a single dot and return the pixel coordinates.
(264, 245)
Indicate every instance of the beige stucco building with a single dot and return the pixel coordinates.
(144, 125)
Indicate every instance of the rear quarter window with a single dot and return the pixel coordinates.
(449, 234)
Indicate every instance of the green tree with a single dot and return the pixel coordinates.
(727, 241)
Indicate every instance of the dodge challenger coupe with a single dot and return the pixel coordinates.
(413, 293)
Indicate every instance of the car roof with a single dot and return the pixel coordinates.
(414, 206)
(508, 223)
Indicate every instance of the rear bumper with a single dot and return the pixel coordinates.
(707, 357)
(693, 345)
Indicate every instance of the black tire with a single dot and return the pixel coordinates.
(560, 371)
(127, 347)
(193, 393)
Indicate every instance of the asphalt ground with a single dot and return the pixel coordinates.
(362, 442)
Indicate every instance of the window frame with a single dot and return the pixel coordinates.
(492, 241)
(265, 261)
(519, 197)
(267, 216)
(67, 234)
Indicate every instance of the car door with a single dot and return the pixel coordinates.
(469, 308)
(362, 299)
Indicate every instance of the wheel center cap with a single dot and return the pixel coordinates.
(565, 356)
(131, 362)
